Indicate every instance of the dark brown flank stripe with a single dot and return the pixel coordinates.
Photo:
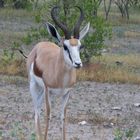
(37, 72)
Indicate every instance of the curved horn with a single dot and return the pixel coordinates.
(60, 25)
(77, 25)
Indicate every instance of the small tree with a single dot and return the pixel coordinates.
(107, 8)
(99, 29)
(1, 3)
(134, 3)
(123, 6)
(18, 4)
(96, 4)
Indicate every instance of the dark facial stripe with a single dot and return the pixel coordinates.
(66, 49)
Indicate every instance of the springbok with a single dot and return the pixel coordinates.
(52, 69)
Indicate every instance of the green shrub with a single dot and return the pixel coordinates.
(94, 41)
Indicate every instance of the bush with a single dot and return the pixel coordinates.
(17, 4)
(21, 4)
(1, 3)
(94, 41)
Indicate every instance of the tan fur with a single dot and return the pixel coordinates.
(50, 65)
(73, 41)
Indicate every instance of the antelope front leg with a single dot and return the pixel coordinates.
(63, 114)
(48, 107)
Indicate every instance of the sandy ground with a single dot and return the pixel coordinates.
(105, 108)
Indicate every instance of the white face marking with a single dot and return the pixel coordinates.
(73, 56)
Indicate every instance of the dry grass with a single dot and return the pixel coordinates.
(110, 59)
(8, 37)
(131, 34)
(14, 67)
(102, 69)
(115, 16)
(113, 68)
(108, 68)
(12, 13)
(116, 19)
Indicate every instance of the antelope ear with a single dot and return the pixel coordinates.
(84, 31)
(53, 31)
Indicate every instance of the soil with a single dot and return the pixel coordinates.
(96, 111)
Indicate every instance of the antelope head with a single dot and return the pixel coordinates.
(71, 42)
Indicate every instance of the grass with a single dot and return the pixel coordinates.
(13, 13)
(14, 25)
(132, 34)
(8, 37)
(112, 68)
(127, 134)
(17, 132)
(115, 15)
(13, 67)
(110, 59)
(116, 19)
(101, 69)
(108, 68)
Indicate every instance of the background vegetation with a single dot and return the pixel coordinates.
(107, 18)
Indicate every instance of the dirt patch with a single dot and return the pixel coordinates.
(105, 108)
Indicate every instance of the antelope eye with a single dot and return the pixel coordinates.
(65, 47)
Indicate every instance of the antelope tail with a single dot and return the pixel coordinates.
(22, 53)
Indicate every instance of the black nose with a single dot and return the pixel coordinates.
(78, 65)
